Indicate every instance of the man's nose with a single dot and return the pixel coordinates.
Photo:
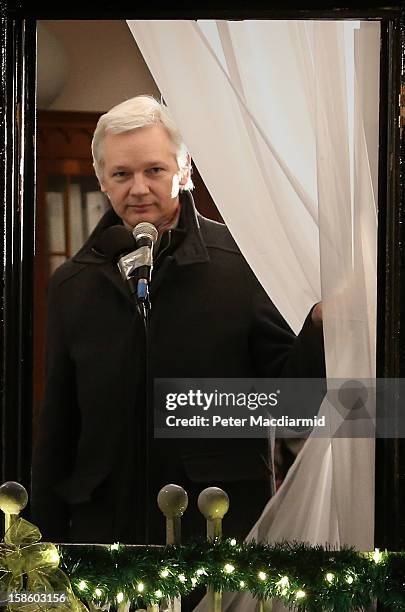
(139, 185)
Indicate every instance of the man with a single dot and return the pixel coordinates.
(210, 319)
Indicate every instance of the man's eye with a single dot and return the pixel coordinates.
(120, 174)
(155, 170)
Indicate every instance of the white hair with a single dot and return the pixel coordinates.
(138, 112)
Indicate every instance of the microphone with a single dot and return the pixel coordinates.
(145, 235)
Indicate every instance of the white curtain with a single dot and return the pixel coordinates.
(281, 118)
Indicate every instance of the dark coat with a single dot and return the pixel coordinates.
(210, 319)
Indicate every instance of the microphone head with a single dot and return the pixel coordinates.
(145, 230)
(115, 241)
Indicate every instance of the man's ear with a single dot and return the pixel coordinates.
(185, 172)
(103, 188)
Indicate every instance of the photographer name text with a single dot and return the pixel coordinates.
(251, 421)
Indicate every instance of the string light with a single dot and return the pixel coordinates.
(270, 582)
(53, 556)
(284, 582)
(377, 556)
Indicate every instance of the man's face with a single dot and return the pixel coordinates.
(141, 175)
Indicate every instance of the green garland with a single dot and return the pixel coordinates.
(303, 577)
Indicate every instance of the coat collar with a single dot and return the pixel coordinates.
(191, 249)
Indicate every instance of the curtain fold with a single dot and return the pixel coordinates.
(283, 126)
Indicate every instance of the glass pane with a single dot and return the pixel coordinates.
(87, 204)
(56, 237)
(76, 229)
(96, 206)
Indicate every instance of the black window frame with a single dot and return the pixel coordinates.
(17, 188)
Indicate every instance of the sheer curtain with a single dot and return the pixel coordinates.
(281, 118)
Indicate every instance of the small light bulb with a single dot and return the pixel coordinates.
(114, 546)
(377, 556)
(242, 584)
(98, 592)
(262, 575)
(349, 579)
(200, 571)
(164, 573)
(120, 597)
(182, 578)
(284, 582)
(233, 542)
(229, 568)
(159, 594)
(299, 594)
(53, 556)
(82, 585)
(330, 577)
(194, 581)
(140, 587)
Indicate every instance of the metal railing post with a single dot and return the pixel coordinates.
(213, 503)
(172, 501)
(13, 499)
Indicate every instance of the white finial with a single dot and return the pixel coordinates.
(172, 501)
(13, 497)
(213, 503)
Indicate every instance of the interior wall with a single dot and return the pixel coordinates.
(89, 65)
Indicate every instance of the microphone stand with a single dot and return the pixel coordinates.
(143, 455)
(136, 267)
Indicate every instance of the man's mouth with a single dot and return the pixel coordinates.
(139, 206)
